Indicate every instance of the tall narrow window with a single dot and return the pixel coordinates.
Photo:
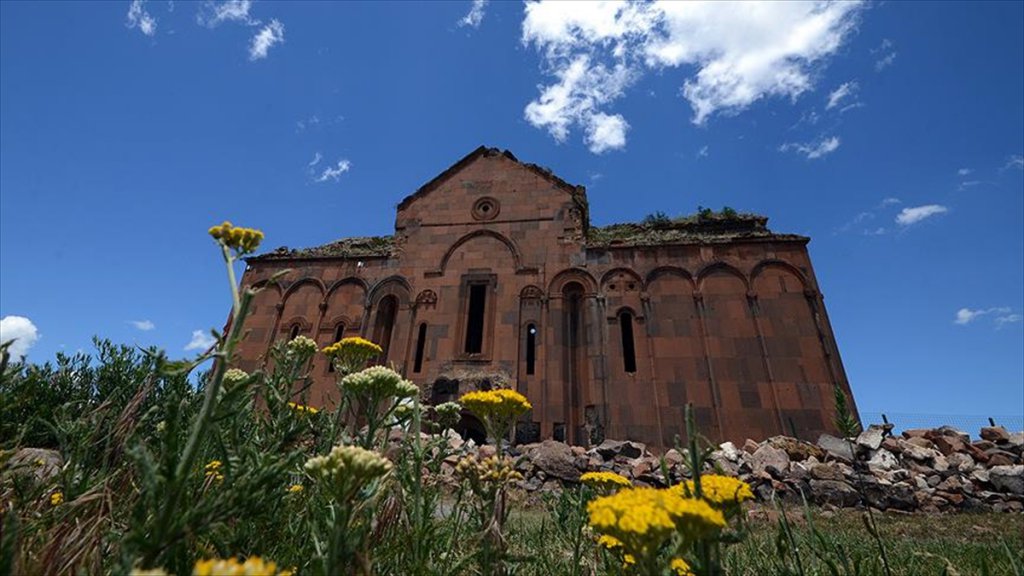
(421, 343)
(475, 321)
(294, 332)
(339, 333)
(531, 349)
(387, 309)
(628, 346)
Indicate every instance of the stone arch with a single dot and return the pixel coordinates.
(775, 263)
(302, 299)
(349, 281)
(720, 267)
(508, 243)
(295, 286)
(668, 271)
(395, 285)
(610, 275)
(584, 278)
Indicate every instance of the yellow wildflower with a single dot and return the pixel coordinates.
(295, 488)
(252, 566)
(719, 491)
(348, 467)
(234, 377)
(352, 353)
(56, 499)
(300, 408)
(643, 518)
(379, 382)
(679, 567)
(212, 470)
(491, 471)
(502, 403)
(605, 481)
(241, 240)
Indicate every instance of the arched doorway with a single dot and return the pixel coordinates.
(574, 354)
(387, 309)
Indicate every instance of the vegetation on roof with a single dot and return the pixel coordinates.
(361, 247)
(706, 225)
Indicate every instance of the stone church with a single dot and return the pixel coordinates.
(495, 276)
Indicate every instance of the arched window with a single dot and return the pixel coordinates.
(628, 345)
(387, 309)
(421, 344)
(339, 333)
(531, 349)
(293, 333)
(475, 318)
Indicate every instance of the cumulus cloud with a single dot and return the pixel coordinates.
(22, 331)
(212, 14)
(139, 18)
(606, 132)
(845, 91)
(267, 37)
(144, 325)
(738, 53)
(813, 150)
(964, 171)
(334, 172)
(475, 16)
(201, 340)
(909, 216)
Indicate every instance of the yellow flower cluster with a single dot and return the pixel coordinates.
(241, 240)
(501, 404)
(252, 566)
(300, 408)
(348, 463)
(719, 491)
(491, 470)
(643, 518)
(379, 382)
(605, 481)
(56, 499)
(212, 470)
(295, 488)
(351, 354)
(679, 567)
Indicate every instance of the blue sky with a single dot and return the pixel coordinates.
(890, 133)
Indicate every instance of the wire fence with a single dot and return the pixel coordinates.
(968, 423)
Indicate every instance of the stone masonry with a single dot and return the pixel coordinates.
(494, 276)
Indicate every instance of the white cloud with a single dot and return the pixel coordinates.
(1008, 319)
(606, 132)
(964, 171)
(703, 152)
(139, 18)
(22, 331)
(212, 14)
(909, 216)
(967, 184)
(1015, 161)
(813, 150)
(738, 52)
(316, 160)
(844, 91)
(201, 340)
(267, 37)
(475, 15)
(144, 325)
(890, 201)
(334, 172)
(965, 316)
(885, 54)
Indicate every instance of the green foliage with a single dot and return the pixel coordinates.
(844, 420)
(657, 219)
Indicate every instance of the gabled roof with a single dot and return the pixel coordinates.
(578, 193)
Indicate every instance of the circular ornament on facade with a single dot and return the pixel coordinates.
(486, 208)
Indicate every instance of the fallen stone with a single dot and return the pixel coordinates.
(871, 438)
(883, 460)
(836, 447)
(996, 434)
(612, 448)
(771, 460)
(797, 450)
(1007, 478)
(835, 492)
(40, 463)
(555, 459)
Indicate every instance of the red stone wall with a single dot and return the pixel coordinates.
(738, 329)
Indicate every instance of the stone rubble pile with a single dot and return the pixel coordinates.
(928, 470)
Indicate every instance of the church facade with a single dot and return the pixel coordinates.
(494, 276)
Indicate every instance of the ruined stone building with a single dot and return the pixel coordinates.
(494, 275)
